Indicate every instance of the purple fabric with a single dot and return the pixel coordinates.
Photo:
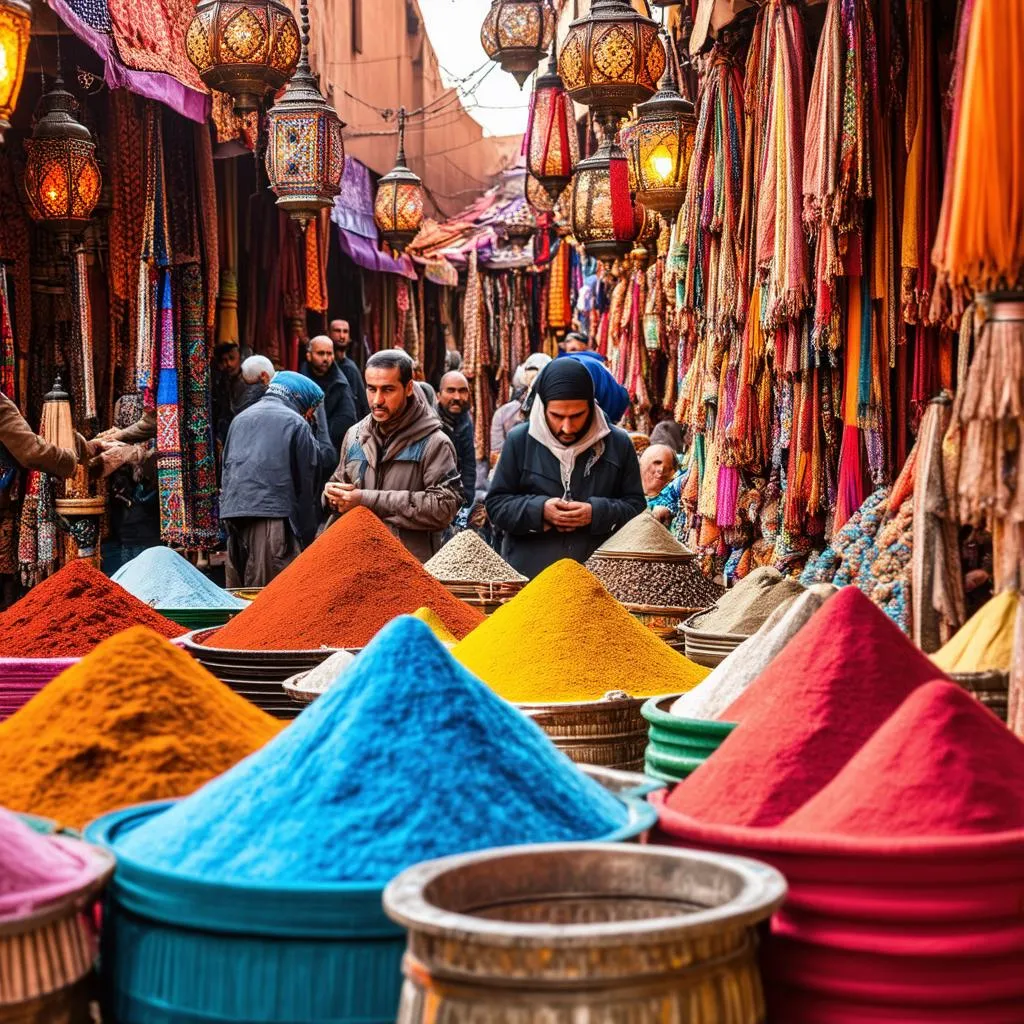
(365, 254)
(152, 84)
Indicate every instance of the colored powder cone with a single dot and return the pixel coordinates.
(137, 719)
(349, 583)
(162, 578)
(436, 625)
(407, 757)
(806, 715)
(942, 765)
(985, 642)
(564, 638)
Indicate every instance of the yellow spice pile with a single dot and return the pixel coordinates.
(564, 638)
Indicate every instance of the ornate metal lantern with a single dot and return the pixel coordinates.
(305, 150)
(243, 48)
(519, 225)
(552, 146)
(62, 178)
(659, 146)
(516, 34)
(538, 196)
(612, 58)
(15, 29)
(398, 206)
(601, 209)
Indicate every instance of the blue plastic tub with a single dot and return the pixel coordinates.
(178, 950)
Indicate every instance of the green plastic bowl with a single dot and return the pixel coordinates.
(677, 746)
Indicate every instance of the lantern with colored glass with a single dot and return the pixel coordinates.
(15, 29)
(659, 146)
(62, 178)
(612, 58)
(305, 151)
(552, 147)
(244, 49)
(519, 225)
(538, 196)
(398, 206)
(516, 34)
(601, 209)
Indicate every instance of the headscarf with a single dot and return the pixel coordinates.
(610, 395)
(298, 390)
(669, 433)
(537, 361)
(566, 381)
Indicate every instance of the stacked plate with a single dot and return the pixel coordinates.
(255, 675)
(707, 649)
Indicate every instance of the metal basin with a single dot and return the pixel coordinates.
(565, 933)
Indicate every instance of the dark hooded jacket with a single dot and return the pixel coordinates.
(272, 466)
(339, 404)
(356, 383)
(460, 429)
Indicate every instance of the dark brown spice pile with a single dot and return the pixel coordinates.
(660, 584)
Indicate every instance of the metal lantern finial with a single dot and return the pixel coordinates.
(659, 144)
(398, 206)
(245, 48)
(305, 151)
(612, 58)
(516, 34)
(15, 31)
(552, 146)
(62, 177)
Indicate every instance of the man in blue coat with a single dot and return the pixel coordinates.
(566, 480)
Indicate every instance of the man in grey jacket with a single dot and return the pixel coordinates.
(398, 461)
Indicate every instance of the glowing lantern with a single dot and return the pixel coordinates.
(243, 49)
(62, 178)
(398, 205)
(516, 34)
(15, 29)
(601, 209)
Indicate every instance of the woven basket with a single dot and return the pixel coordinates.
(488, 597)
(661, 619)
(991, 688)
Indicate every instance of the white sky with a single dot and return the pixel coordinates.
(454, 30)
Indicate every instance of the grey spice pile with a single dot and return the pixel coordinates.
(658, 584)
(744, 609)
(466, 558)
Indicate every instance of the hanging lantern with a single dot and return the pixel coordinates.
(659, 145)
(601, 208)
(552, 146)
(398, 206)
(648, 226)
(519, 225)
(516, 33)
(612, 58)
(245, 49)
(537, 196)
(15, 29)
(305, 150)
(62, 178)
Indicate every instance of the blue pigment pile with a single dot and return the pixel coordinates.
(407, 757)
(162, 578)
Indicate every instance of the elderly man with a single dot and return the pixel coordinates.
(339, 403)
(257, 372)
(268, 498)
(398, 461)
(566, 481)
(341, 337)
(453, 408)
(657, 468)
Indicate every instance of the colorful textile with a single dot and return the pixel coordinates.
(7, 381)
(150, 36)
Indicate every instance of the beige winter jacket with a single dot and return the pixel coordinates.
(409, 478)
(29, 450)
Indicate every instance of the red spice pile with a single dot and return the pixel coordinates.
(355, 578)
(942, 765)
(67, 615)
(806, 715)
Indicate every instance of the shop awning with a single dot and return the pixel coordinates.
(353, 216)
(145, 55)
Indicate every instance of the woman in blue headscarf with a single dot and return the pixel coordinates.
(270, 485)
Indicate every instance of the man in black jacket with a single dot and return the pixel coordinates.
(339, 405)
(453, 407)
(341, 336)
(566, 480)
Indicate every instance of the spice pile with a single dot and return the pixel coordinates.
(564, 638)
(68, 614)
(942, 765)
(466, 558)
(137, 719)
(806, 715)
(437, 627)
(327, 673)
(730, 678)
(646, 580)
(355, 578)
(364, 783)
(36, 870)
(742, 611)
(985, 642)
(162, 578)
